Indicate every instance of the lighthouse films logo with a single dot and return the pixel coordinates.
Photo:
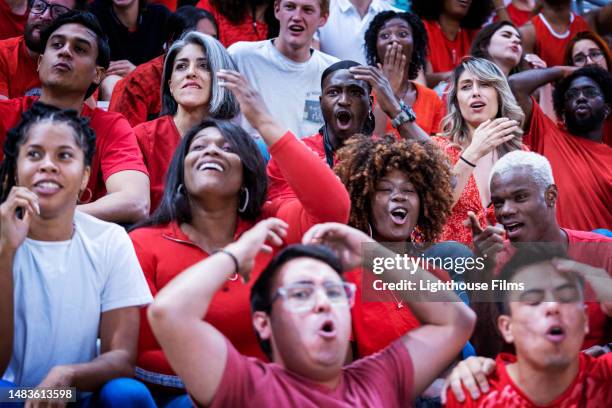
(426, 272)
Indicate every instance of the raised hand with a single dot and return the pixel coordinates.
(393, 66)
(16, 214)
(385, 96)
(490, 134)
(120, 67)
(345, 241)
(488, 241)
(261, 238)
(472, 374)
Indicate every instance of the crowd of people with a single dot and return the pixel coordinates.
(192, 195)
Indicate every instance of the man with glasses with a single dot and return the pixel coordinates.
(19, 55)
(579, 158)
(301, 312)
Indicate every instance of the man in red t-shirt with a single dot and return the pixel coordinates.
(524, 195)
(70, 68)
(580, 160)
(301, 312)
(548, 33)
(13, 15)
(546, 322)
(19, 55)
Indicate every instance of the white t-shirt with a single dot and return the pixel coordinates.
(290, 89)
(343, 34)
(60, 290)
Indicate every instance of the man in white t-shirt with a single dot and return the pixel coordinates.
(286, 71)
(342, 35)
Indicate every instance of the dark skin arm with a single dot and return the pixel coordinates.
(600, 20)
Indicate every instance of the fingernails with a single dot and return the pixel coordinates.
(37, 208)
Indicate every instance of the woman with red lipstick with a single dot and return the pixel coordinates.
(216, 189)
(189, 93)
(66, 278)
(483, 123)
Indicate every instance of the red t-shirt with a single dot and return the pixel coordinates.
(116, 146)
(138, 95)
(549, 45)
(11, 24)
(428, 108)
(158, 140)
(320, 198)
(590, 388)
(518, 16)
(592, 249)
(170, 4)
(371, 333)
(582, 170)
(230, 33)
(18, 75)
(444, 54)
(382, 380)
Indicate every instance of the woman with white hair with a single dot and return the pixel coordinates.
(483, 123)
(190, 92)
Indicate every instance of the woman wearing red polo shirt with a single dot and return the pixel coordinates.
(451, 26)
(190, 93)
(215, 190)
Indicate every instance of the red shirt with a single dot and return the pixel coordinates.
(230, 33)
(18, 75)
(444, 54)
(428, 108)
(11, 24)
(590, 388)
(382, 380)
(116, 146)
(583, 205)
(158, 140)
(170, 4)
(518, 16)
(549, 45)
(592, 249)
(138, 95)
(325, 200)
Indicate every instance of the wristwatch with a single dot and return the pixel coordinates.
(406, 115)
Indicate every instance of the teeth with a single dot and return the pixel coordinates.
(210, 166)
(400, 212)
(47, 184)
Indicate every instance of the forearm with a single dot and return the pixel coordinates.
(120, 207)
(6, 308)
(270, 130)
(500, 10)
(412, 131)
(525, 83)
(93, 375)
(434, 78)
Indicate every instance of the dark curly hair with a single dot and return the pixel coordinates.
(596, 73)
(419, 36)
(479, 11)
(363, 161)
(39, 113)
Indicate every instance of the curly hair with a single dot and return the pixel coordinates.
(40, 113)
(596, 73)
(587, 35)
(419, 38)
(479, 11)
(363, 161)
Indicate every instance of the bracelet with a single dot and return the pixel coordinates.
(467, 162)
(236, 264)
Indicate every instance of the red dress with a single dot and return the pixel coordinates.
(229, 33)
(320, 198)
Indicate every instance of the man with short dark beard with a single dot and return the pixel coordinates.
(579, 158)
(19, 55)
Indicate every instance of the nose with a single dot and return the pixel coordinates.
(507, 209)
(47, 165)
(191, 69)
(398, 195)
(552, 307)
(475, 89)
(322, 303)
(343, 98)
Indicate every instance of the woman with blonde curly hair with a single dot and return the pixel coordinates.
(400, 192)
(483, 123)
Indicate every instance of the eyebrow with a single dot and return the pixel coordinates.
(80, 40)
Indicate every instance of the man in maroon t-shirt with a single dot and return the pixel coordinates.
(71, 67)
(301, 312)
(546, 322)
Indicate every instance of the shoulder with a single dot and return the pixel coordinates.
(8, 45)
(585, 236)
(96, 230)
(150, 127)
(106, 122)
(154, 65)
(323, 58)
(247, 48)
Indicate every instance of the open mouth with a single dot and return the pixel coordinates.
(328, 329)
(513, 228)
(343, 118)
(192, 85)
(46, 187)
(477, 105)
(555, 334)
(399, 215)
(210, 166)
(296, 28)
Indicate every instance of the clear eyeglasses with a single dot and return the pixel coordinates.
(302, 297)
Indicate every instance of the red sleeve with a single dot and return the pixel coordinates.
(321, 196)
(4, 71)
(119, 150)
(538, 128)
(128, 98)
(205, 4)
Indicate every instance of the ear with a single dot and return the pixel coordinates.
(99, 75)
(276, 8)
(550, 195)
(38, 62)
(261, 322)
(586, 319)
(323, 20)
(86, 174)
(504, 325)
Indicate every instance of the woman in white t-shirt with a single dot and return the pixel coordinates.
(66, 278)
